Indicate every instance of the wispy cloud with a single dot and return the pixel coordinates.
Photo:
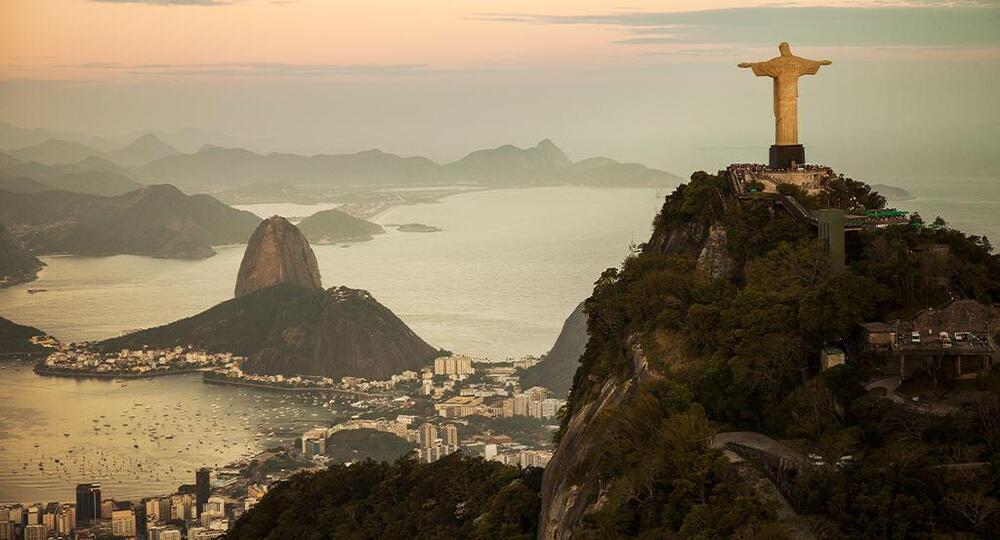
(168, 2)
(258, 69)
(868, 24)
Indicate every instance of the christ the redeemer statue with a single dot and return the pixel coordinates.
(786, 70)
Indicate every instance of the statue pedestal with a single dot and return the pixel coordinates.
(783, 155)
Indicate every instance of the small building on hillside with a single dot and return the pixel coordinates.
(832, 356)
(952, 341)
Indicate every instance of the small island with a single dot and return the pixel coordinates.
(335, 226)
(417, 228)
(893, 193)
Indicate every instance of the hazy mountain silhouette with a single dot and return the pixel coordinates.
(89, 182)
(93, 175)
(216, 166)
(54, 152)
(545, 163)
(12, 136)
(141, 151)
(158, 221)
(510, 164)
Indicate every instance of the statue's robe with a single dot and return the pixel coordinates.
(786, 70)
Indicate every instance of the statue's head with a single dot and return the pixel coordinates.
(785, 49)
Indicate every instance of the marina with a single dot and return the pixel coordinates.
(139, 438)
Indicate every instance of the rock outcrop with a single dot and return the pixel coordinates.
(570, 486)
(714, 260)
(284, 323)
(557, 368)
(277, 253)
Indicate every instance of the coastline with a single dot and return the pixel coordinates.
(73, 374)
(207, 378)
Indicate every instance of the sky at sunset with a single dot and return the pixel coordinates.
(912, 82)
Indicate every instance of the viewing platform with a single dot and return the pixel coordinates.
(755, 180)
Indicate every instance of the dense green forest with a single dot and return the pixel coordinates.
(454, 497)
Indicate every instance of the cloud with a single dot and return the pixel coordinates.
(259, 69)
(871, 24)
(168, 2)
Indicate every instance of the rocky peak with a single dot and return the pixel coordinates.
(277, 253)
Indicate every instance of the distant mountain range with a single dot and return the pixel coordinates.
(57, 152)
(543, 164)
(93, 175)
(37, 154)
(157, 221)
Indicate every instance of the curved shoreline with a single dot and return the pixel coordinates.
(73, 374)
(264, 386)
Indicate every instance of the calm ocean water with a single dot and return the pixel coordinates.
(971, 205)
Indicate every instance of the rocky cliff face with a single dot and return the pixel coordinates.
(277, 253)
(690, 238)
(713, 259)
(570, 487)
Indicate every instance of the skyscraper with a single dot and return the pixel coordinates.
(88, 503)
(428, 435)
(203, 488)
(451, 435)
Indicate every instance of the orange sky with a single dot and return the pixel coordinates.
(42, 39)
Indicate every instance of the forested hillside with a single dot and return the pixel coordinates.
(454, 497)
(712, 332)
(741, 353)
